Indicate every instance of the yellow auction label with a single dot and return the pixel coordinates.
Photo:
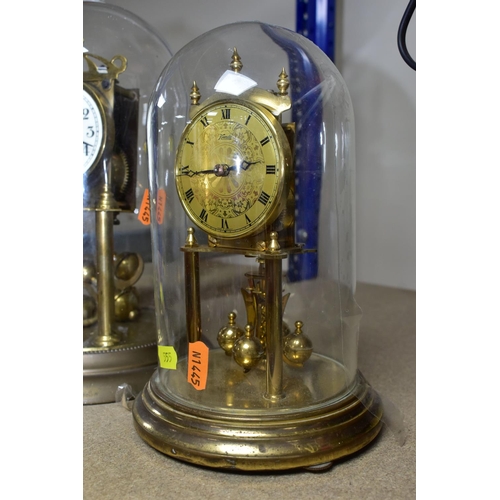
(167, 357)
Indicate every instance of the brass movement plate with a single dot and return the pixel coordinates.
(291, 435)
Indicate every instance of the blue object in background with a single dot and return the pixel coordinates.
(316, 21)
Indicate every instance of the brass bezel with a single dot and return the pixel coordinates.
(284, 165)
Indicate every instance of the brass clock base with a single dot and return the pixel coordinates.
(131, 362)
(311, 438)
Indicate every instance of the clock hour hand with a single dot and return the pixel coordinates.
(244, 165)
(222, 169)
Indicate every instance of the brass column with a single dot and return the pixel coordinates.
(192, 287)
(274, 323)
(106, 336)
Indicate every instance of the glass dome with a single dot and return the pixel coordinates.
(251, 142)
(122, 59)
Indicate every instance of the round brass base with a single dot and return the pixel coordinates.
(310, 438)
(131, 361)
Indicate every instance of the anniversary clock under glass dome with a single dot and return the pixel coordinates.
(251, 151)
(122, 59)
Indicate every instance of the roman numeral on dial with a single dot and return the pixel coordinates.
(204, 215)
(264, 198)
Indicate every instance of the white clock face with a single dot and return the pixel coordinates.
(93, 129)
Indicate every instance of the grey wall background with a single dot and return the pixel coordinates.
(383, 92)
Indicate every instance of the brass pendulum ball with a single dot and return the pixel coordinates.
(297, 346)
(126, 305)
(247, 350)
(127, 265)
(229, 334)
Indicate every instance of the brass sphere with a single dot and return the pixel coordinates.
(297, 347)
(126, 305)
(228, 334)
(89, 271)
(89, 310)
(247, 350)
(126, 266)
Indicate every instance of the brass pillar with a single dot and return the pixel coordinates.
(192, 287)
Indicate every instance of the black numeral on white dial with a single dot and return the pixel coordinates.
(93, 130)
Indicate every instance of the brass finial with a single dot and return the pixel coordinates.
(273, 246)
(236, 64)
(195, 94)
(191, 239)
(283, 83)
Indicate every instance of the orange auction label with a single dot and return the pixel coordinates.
(160, 207)
(145, 210)
(198, 365)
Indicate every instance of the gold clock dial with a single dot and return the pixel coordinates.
(230, 169)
